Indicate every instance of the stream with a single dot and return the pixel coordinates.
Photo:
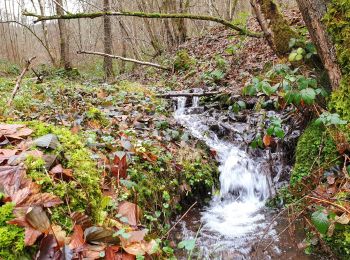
(236, 223)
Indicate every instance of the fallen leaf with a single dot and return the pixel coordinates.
(81, 219)
(47, 141)
(46, 200)
(37, 218)
(141, 248)
(133, 237)
(267, 140)
(120, 165)
(47, 248)
(77, 239)
(31, 235)
(344, 219)
(60, 235)
(130, 211)
(100, 235)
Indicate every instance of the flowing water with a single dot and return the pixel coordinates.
(236, 218)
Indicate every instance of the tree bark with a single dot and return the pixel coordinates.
(275, 27)
(107, 27)
(313, 12)
(64, 41)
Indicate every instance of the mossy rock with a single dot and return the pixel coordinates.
(308, 155)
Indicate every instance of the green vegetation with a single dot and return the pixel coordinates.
(338, 25)
(183, 61)
(11, 237)
(316, 149)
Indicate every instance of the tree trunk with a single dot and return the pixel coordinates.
(313, 12)
(107, 26)
(276, 29)
(64, 41)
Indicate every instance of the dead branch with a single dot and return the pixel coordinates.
(181, 94)
(144, 63)
(19, 80)
(147, 15)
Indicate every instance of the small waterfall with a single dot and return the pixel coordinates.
(234, 216)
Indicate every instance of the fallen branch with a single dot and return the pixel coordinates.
(144, 63)
(147, 15)
(204, 94)
(19, 80)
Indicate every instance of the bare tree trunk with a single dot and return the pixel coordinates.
(182, 27)
(45, 33)
(64, 41)
(107, 26)
(313, 12)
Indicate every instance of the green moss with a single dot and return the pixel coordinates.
(340, 241)
(83, 192)
(183, 61)
(11, 237)
(308, 155)
(337, 20)
(282, 32)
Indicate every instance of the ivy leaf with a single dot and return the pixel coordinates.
(320, 220)
(187, 244)
(308, 95)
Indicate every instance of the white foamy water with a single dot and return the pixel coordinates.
(234, 220)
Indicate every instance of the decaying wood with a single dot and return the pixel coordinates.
(144, 63)
(313, 12)
(19, 80)
(170, 95)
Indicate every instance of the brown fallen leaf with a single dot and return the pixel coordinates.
(130, 211)
(81, 219)
(60, 235)
(37, 218)
(47, 249)
(46, 200)
(133, 237)
(31, 235)
(77, 238)
(120, 165)
(267, 140)
(141, 248)
(96, 235)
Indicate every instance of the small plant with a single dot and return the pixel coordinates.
(302, 50)
(293, 88)
(328, 119)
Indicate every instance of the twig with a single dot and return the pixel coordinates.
(19, 80)
(329, 202)
(167, 233)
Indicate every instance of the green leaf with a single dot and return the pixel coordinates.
(320, 221)
(308, 95)
(292, 56)
(299, 57)
(187, 244)
(279, 132)
(266, 88)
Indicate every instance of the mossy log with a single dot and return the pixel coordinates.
(219, 20)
